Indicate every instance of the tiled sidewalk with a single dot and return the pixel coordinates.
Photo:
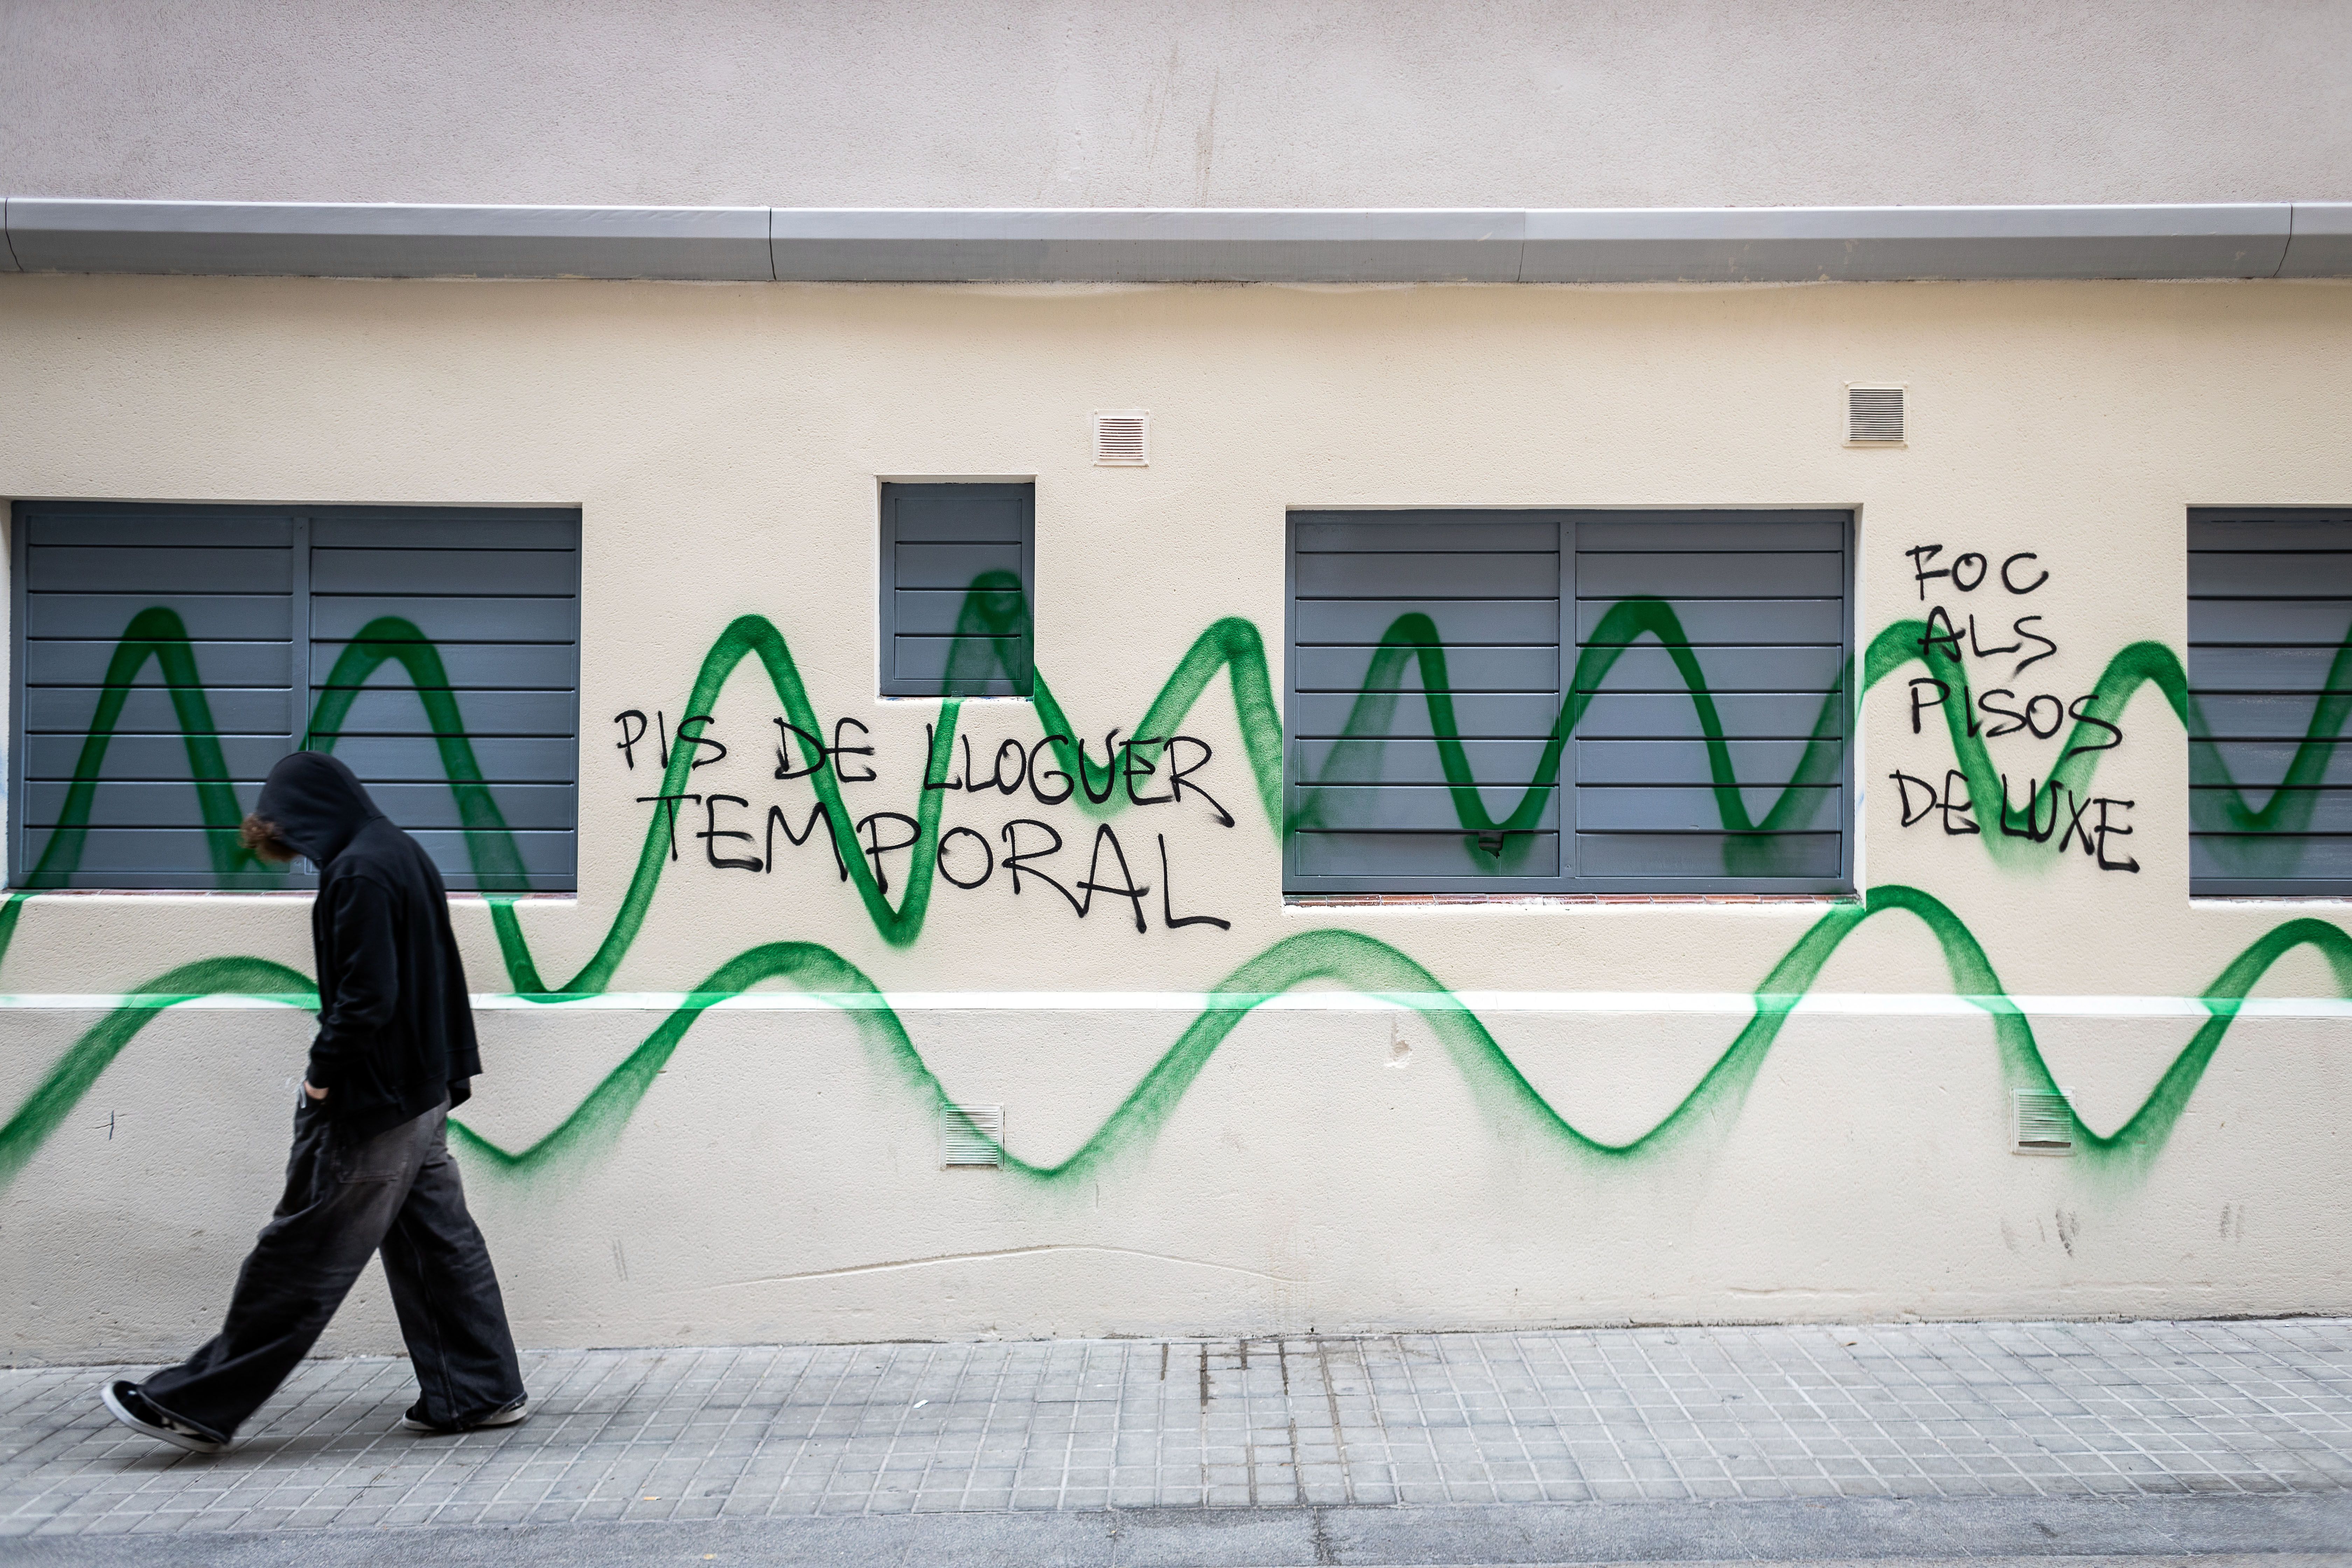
(2053, 1410)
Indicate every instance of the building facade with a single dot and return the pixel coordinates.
(1090, 671)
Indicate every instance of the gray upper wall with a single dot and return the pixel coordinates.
(1179, 103)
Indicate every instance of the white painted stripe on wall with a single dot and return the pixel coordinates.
(1858, 1003)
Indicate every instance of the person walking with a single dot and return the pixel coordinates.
(370, 1168)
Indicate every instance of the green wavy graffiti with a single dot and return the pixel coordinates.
(71, 1076)
(2009, 833)
(1356, 756)
(1348, 959)
(158, 634)
(1365, 964)
(389, 639)
(2264, 839)
(2264, 842)
(1231, 645)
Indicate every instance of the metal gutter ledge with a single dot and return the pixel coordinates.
(354, 239)
(2322, 244)
(1115, 246)
(1789, 245)
(1714, 244)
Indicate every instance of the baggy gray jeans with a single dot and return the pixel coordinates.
(396, 1192)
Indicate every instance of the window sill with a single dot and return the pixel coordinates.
(2268, 901)
(1550, 900)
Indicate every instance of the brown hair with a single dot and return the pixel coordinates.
(259, 835)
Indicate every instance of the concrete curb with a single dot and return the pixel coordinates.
(2137, 1530)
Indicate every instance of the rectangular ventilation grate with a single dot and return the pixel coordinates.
(971, 1136)
(1122, 439)
(1873, 416)
(2040, 1122)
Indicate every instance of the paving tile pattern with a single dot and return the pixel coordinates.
(1911, 1411)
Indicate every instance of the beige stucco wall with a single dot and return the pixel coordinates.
(1338, 1167)
(1444, 103)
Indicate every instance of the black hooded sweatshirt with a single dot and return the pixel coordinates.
(395, 1027)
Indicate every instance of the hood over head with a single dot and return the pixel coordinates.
(317, 804)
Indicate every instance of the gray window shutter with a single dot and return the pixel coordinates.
(444, 664)
(1759, 601)
(1390, 610)
(957, 586)
(193, 615)
(2270, 688)
(435, 652)
(1594, 770)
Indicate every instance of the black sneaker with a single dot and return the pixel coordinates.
(127, 1405)
(504, 1415)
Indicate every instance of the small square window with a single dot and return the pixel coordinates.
(959, 567)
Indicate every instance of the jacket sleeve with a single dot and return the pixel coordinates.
(366, 980)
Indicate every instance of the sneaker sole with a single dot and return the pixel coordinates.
(121, 1412)
(502, 1419)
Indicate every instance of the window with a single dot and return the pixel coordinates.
(959, 567)
(166, 656)
(2270, 686)
(1568, 701)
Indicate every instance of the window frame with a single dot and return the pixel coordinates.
(1567, 882)
(2334, 887)
(302, 673)
(890, 685)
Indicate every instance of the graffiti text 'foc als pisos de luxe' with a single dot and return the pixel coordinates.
(1945, 645)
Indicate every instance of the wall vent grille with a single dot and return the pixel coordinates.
(971, 1136)
(1123, 439)
(1873, 417)
(2040, 1122)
